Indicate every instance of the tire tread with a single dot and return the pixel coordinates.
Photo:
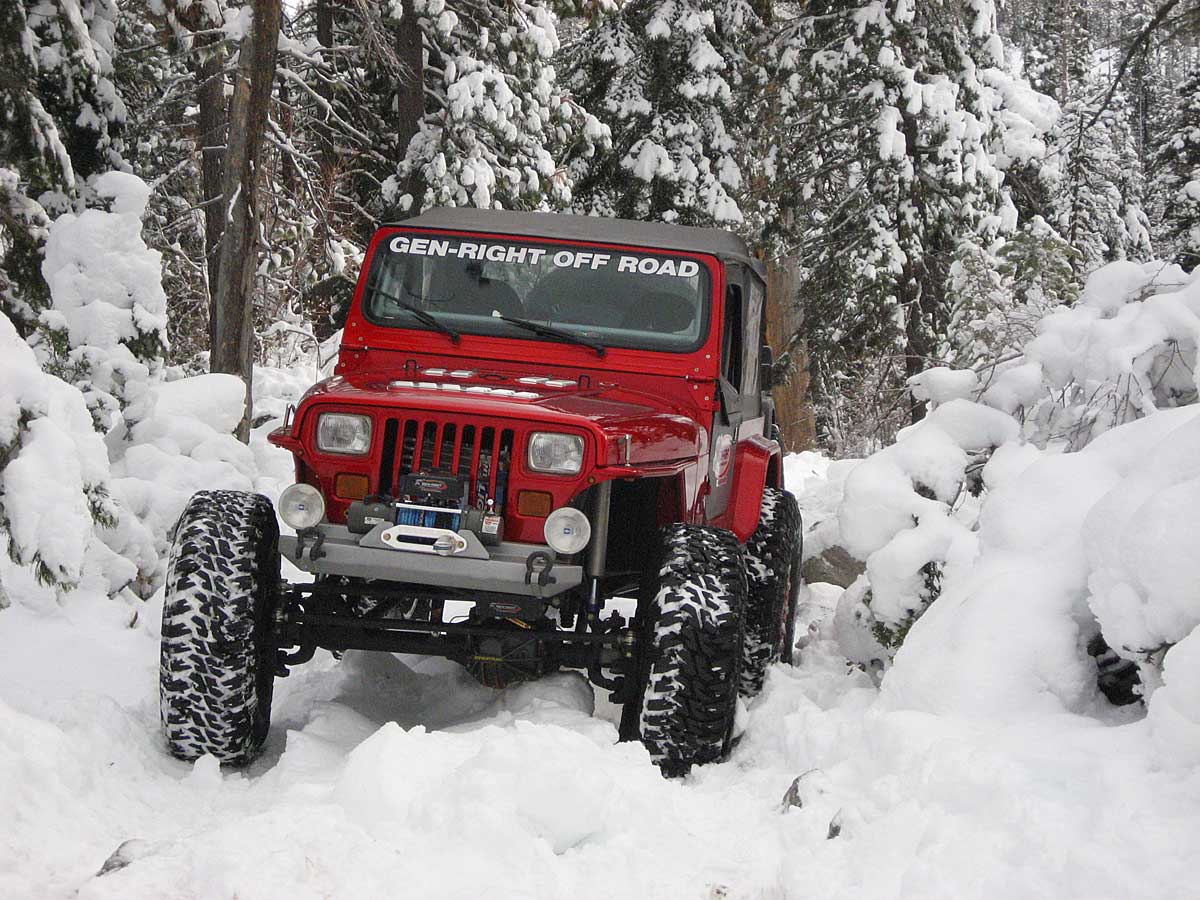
(693, 635)
(222, 588)
(771, 556)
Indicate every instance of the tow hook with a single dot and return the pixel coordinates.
(318, 539)
(538, 565)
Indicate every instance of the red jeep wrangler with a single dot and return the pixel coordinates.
(547, 444)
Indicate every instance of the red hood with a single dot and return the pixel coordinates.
(631, 426)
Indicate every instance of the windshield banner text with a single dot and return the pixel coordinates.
(533, 256)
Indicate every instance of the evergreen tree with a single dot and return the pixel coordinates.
(1178, 176)
(888, 135)
(157, 74)
(60, 117)
(998, 295)
(105, 330)
(1098, 201)
(1053, 40)
(382, 110)
(670, 79)
(497, 129)
(53, 470)
(73, 48)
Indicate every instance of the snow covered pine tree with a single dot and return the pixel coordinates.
(60, 118)
(497, 130)
(888, 134)
(668, 79)
(1179, 174)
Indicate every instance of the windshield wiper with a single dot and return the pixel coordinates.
(428, 318)
(551, 331)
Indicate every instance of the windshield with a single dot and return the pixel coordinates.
(595, 295)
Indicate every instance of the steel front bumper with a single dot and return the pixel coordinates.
(508, 568)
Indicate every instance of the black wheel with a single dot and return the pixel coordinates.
(773, 575)
(217, 667)
(691, 648)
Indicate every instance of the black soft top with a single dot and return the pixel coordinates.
(593, 229)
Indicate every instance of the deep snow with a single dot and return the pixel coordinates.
(389, 776)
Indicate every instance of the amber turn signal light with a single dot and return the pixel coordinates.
(535, 503)
(351, 487)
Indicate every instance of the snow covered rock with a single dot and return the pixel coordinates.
(185, 444)
(215, 400)
(182, 446)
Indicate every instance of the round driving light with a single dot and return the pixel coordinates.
(567, 530)
(301, 506)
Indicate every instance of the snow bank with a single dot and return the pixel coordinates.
(185, 444)
(275, 389)
(995, 557)
(1068, 545)
(818, 483)
(79, 507)
(387, 772)
(897, 514)
(1174, 714)
(1141, 537)
(527, 790)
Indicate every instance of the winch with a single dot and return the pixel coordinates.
(426, 500)
(431, 500)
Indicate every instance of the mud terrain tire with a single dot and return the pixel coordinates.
(217, 668)
(773, 575)
(691, 647)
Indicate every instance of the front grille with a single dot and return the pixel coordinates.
(473, 450)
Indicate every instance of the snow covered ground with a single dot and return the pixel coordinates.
(389, 776)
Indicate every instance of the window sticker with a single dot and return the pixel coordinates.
(533, 256)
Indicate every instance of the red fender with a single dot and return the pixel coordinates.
(758, 461)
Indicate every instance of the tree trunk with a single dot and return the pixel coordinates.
(785, 330)
(911, 287)
(410, 92)
(210, 96)
(288, 170)
(325, 90)
(233, 338)
(324, 34)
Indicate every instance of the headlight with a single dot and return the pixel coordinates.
(567, 530)
(301, 506)
(344, 433)
(558, 454)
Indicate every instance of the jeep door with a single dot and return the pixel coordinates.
(741, 412)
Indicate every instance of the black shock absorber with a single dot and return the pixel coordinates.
(598, 555)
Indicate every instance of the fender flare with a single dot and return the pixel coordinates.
(758, 462)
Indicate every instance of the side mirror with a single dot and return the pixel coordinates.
(766, 368)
